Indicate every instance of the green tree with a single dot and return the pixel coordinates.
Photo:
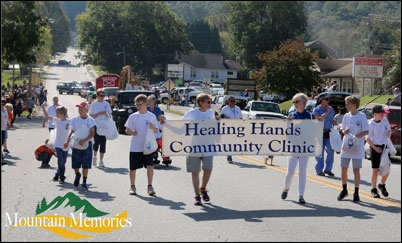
(43, 53)
(204, 38)
(287, 70)
(191, 11)
(148, 31)
(21, 32)
(72, 9)
(392, 64)
(257, 27)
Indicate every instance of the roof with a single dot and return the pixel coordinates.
(330, 65)
(209, 61)
(320, 44)
(343, 72)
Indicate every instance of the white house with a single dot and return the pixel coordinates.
(198, 66)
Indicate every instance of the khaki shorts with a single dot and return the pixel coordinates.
(194, 163)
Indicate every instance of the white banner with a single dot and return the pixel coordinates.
(238, 137)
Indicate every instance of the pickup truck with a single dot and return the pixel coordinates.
(262, 110)
(66, 87)
(179, 92)
(124, 106)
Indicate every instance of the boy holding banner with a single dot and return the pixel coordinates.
(356, 124)
(193, 164)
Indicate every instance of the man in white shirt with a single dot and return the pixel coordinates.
(52, 112)
(231, 111)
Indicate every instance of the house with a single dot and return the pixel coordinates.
(197, 66)
(317, 44)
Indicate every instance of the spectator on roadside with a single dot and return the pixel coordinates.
(4, 125)
(9, 109)
(397, 97)
(245, 93)
(18, 108)
(339, 117)
(31, 106)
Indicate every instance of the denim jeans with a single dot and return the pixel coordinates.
(319, 166)
(61, 162)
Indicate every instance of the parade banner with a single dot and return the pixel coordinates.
(242, 137)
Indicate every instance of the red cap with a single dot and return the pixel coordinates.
(83, 105)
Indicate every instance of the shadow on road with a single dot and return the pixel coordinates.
(121, 171)
(164, 167)
(25, 123)
(350, 181)
(158, 201)
(213, 213)
(91, 193)
(251, 166)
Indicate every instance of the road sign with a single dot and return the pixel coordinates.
(367, 67)
(169, 85)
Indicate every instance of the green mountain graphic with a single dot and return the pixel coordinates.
(73, 201)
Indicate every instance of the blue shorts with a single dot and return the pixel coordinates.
(82, 158)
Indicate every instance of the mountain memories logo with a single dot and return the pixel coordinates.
(63, 226)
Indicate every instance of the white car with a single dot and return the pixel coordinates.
(266, 97)
(216, 88)
(262, 110)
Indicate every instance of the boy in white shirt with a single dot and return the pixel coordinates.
(377, 138)
(137, 125)
(85, 126)
(231, 111)
(62, 126)
(356, 124)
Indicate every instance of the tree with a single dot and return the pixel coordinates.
(148, 31)
(257, 27)
(392, 64)
(287, 70)
(204, 38)
(21, 32)
(43, 53)
(72, 8)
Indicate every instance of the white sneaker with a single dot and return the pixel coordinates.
(94, 161)
(151, 191)
(101, 164)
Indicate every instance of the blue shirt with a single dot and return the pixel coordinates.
(328, 120)
(157, 111)
(302, 116)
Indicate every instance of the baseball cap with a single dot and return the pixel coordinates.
(379, 109)
(83, 105)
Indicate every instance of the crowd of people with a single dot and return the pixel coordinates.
(328, 86)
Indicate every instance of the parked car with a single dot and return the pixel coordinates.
(220, 101)
(87, 91)
(336, 99)
(262, 110)
(179, 92)
(110, 93)
(394, 119)
(65, 87)
(124, 106)
(77, 88)
(64, 62)
(196, 85)
(86, 83)
(216, 88)
(266, 97)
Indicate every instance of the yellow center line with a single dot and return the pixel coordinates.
(321, 181)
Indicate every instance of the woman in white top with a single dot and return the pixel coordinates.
(231, 111)
(99, 110)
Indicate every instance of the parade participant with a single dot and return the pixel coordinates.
(9, 108)
(52, 112)
(194, 163)
(137, 125)
(82, 158)
(62, 126)
(4, 124)
(325, 113)
(231, 111)
(100, 110)
(299, 101)
(355, 123)
(377, 138)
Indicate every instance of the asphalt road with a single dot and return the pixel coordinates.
(245, 196)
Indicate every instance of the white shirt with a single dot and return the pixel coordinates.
(4, 119)
(356, 124)
(52, 112)
(97, 107)
(378, 131)
(62, 130)
(140, 123)
(196, 114)
(38, 91)
(78, 122)
(232, 113)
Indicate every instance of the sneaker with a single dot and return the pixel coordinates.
(230, 160)
(94, 161)
(61, 181)
(133, 191)
(198, 200)
(101, 164)
(77, 179)
(6, 151)
(284, 195)
(321, 174)
(84, 187)
(342, 195)
(374, 193)
(301, 200)
(204, 194)
(151, 191)
(356, 197)
(329, 173)
(56, 178)
(383, 190)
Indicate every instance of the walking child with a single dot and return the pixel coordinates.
(377, 138)
(137, 125)
(62, 126)
(355, 123)
(83, 128)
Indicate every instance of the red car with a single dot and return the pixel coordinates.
(394, 119)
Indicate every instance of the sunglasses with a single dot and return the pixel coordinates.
(296, 102)
(139, 104)
(101, 95)
(232, 101)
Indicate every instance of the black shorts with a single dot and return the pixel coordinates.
(376, 157)
(139, 160)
